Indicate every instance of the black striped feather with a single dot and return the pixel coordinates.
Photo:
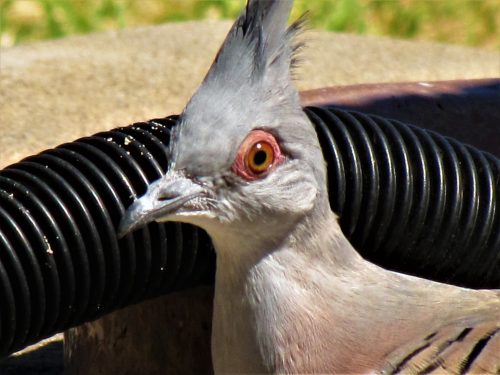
(453, 349)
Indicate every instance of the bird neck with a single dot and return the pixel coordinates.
(316, 235)
(320, 237)
(257, 277)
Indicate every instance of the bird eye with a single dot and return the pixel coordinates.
(258, 153)
(260, 157)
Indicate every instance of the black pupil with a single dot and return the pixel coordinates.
(260, 157)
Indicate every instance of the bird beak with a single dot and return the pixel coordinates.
(163, 199)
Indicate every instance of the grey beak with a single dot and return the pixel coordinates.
(162, 200)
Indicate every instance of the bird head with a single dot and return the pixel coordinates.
(243, 155)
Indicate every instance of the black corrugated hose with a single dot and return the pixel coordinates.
(409, 199)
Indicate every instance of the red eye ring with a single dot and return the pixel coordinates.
(257, 155)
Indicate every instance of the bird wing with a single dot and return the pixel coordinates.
(453, 349)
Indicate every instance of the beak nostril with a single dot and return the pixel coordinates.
(167, 197)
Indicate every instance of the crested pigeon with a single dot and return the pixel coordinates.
(291, 293)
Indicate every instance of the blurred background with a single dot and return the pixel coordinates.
(466, 22)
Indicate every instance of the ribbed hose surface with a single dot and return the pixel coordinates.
(410, 200)
(60, 261)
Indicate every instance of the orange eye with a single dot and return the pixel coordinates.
(260, 157)
(257, 155)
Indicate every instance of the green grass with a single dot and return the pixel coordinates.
(467, 22)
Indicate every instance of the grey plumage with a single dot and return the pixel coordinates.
(292, 295)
